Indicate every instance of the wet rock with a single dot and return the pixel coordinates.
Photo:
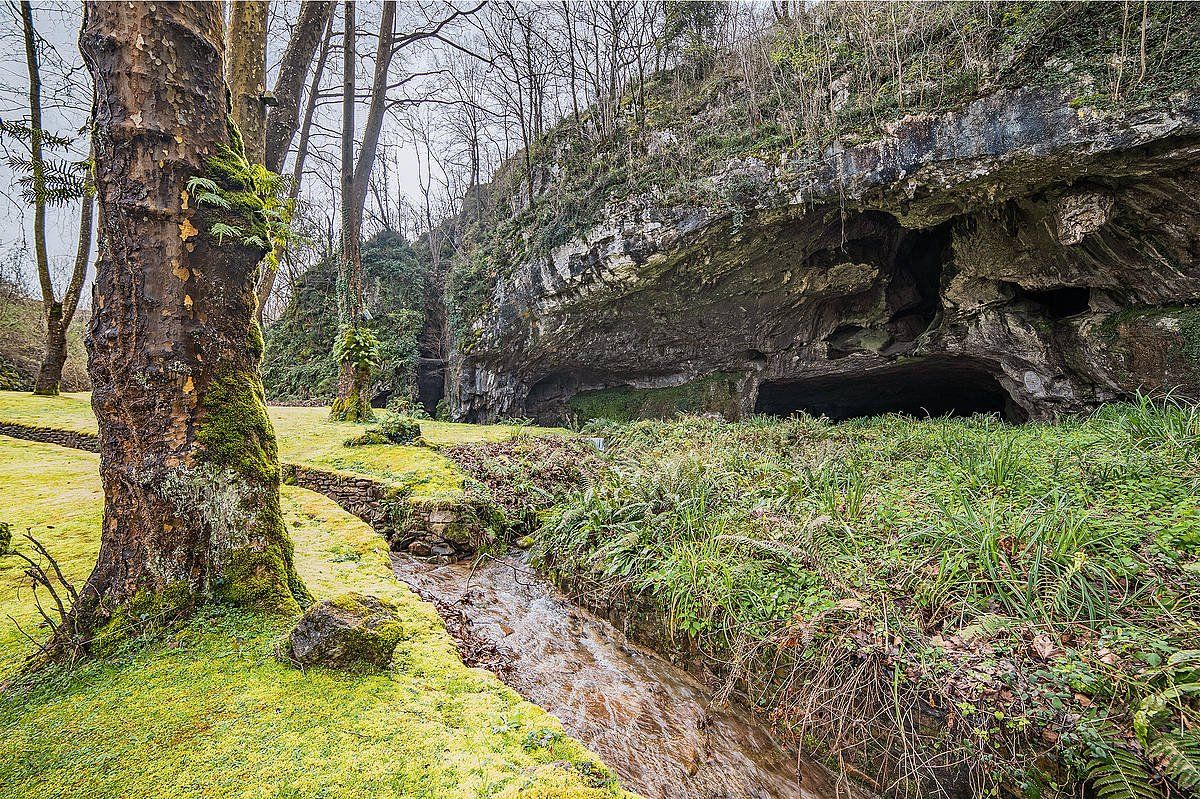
(353, 631)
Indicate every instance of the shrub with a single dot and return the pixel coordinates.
(400, 429)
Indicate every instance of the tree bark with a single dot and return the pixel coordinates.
(188, 457)
(246, 62)
(283, 119)
(55, 350)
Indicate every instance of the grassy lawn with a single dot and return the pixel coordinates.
(306, 437)
(1034, 587)
(209, 711)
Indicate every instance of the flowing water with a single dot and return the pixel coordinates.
(648, 720)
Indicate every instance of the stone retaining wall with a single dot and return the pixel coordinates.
(444, 531)
(88, 442)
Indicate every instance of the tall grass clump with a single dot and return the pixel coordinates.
(936, 603)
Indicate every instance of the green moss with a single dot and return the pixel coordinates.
(716, 393)
(306, 437)
(235, 431)
(210, 711)
(372, 642)
(144, 615)
(261, 578)
(5, 538)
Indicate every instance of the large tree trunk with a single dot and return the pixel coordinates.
(246, 62)
(187, 453)
(284, 118)
(59, 315)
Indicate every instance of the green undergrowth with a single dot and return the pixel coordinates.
(306, 437)
(23, 342)
(210, 711)
(932, 600)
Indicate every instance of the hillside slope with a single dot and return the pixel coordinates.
(22, 342)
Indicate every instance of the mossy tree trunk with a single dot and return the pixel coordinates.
(187, 453)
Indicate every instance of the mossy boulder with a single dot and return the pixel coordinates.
(357, 632)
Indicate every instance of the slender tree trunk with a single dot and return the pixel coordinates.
(55, 350)
(312, 31)
(59, 317)
(187, 453)
(266, 283)
(353, 402)
(246, 65)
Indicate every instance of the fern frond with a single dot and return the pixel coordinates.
(221, 230)
(986, 625)
(196, 185)
(1155, 706)
(1180, 757)
(1121, 775)
(19, 130)
(211, 198)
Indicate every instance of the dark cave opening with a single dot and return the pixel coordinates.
(431, 383)
(920, 388)
(1058, 303)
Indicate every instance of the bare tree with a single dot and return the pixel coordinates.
(48, 183)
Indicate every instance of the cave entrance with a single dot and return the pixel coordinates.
(1057, 303)
(929, 387)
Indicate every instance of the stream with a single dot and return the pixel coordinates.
(647, 719)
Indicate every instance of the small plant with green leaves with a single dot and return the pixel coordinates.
(399, 429)
(250, 203)
(357, 345)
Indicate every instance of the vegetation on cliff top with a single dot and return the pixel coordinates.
(1026, 589)
(837, 72)
(211, 708)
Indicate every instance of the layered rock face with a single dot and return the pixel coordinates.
(1019, 255)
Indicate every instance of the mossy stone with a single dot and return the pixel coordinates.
(356, 632)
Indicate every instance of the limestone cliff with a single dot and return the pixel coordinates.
(1028, 252)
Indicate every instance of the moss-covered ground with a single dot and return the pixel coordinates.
(306, 437)
(208, 711)
(1031, 590)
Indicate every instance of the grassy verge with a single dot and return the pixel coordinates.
(208, 711)
(307, 437)
(942, 604)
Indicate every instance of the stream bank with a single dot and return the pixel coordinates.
(651, 722)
